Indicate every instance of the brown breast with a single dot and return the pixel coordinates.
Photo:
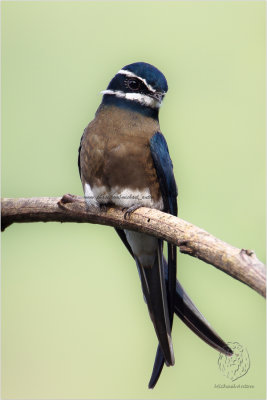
(115, 151)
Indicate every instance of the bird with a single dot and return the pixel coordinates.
(124, 161)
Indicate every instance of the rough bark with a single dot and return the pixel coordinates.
(241, 264)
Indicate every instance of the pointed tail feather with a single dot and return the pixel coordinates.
(153, 284)
(192, 317)
(170, 277)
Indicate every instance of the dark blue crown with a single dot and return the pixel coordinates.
(151, 74)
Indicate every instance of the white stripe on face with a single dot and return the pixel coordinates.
(139, 97)
(132, 75)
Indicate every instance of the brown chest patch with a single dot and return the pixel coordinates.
(115, 151)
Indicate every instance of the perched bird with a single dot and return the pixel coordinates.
(124, 161)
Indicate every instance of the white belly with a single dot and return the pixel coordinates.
(120, 197)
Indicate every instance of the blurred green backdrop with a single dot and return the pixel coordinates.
(74, 324)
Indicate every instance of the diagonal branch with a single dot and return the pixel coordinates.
(240, 264)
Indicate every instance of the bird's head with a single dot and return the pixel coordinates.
(139, 86)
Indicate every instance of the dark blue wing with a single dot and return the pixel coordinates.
(168, 188)
(164, 169)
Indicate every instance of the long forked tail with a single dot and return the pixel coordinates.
(185, 309)
(192, 317)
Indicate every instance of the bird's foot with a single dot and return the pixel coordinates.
(130, 210)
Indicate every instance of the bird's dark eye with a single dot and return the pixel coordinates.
(133, 84)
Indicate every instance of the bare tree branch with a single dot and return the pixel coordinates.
(240, 264)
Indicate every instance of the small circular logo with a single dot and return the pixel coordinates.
(237, 365)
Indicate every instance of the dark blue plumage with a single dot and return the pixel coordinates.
(163, 164)
(124, 160)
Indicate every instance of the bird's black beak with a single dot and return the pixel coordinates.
(159, 96)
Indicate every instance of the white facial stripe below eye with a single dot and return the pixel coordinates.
(139, 97)
(132, 75)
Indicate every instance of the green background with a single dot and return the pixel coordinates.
(74, 324)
